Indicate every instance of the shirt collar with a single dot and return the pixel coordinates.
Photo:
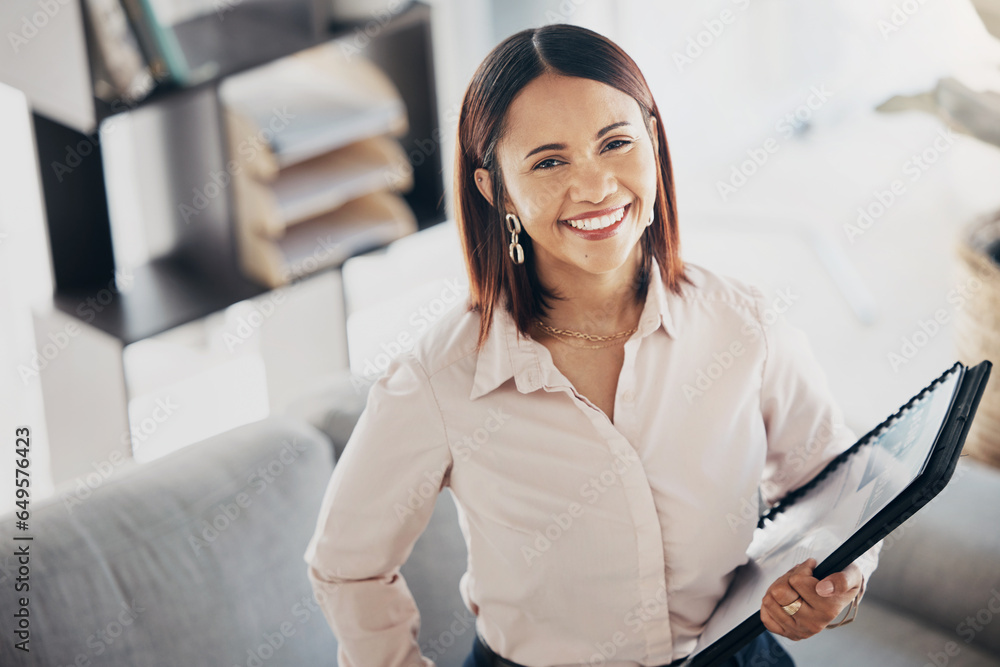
(506, 354)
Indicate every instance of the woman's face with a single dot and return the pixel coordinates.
(580, 170)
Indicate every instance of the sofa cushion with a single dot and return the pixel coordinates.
(334, 406)
(192, 559)
(942, 565)
(883, 636)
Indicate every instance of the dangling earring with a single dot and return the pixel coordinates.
(651, 216)
(515, 250)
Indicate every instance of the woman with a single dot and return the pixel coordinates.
(601, 411)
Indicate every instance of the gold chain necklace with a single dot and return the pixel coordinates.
(586, 336)
(608, 340)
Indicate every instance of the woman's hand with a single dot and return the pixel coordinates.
(821, 601)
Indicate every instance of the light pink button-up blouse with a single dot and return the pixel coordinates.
(586, 535)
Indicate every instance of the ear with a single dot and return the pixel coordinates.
(484, 182)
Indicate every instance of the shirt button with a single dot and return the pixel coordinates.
(628, 396)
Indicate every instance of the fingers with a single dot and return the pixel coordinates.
(824, 608)
(786, 589)
(801, 581)
(780, 593)
(816, 610)
(777, 621)
(797, 584)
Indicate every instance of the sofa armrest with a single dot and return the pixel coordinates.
(191, 559)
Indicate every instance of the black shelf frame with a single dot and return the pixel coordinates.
(196, 280)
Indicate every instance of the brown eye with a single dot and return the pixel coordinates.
(623, 142)
(539, 165)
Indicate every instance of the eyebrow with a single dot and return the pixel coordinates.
(601, 133)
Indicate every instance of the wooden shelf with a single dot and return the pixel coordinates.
(171, 291)
(248, 35)
(165, 293)
(199, 275)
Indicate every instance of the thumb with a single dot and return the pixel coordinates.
(826, 587)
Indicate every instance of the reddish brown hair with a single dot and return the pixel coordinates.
(567, 50)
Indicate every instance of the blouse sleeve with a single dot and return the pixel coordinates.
(804, 424)
(379, 500)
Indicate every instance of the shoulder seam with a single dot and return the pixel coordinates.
(758, 295)
(447, 365)
(445, 480)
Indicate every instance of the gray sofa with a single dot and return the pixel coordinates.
(195, 560)
(137, 575)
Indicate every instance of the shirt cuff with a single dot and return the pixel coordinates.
(867, 562)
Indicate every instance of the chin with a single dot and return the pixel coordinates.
(604, 262)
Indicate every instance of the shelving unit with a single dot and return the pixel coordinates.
(196, 273)
(200, 275)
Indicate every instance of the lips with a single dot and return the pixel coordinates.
(598, 227)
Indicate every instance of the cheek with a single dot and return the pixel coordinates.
(538, 202)
(647, 176)
(638, 175)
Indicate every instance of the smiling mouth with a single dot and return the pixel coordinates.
(599, 222)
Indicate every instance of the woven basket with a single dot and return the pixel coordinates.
(977, 328)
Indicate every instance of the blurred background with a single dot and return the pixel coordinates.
(215, 211)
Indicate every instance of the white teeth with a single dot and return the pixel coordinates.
(589, 224)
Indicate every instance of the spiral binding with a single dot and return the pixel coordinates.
(792, 496)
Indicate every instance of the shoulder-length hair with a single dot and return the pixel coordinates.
(570, 51)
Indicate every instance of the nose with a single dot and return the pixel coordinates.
(592, 182)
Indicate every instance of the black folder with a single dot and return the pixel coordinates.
(858, 498)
